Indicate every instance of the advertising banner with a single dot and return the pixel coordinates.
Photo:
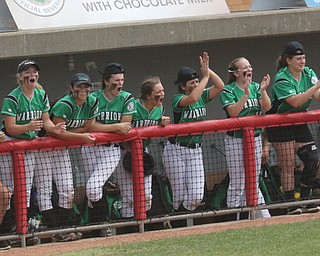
(37, 14)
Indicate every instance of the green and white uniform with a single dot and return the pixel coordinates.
(18, 105)
(236, 196)
(140, 119)
(100, 161)
(232, 93)
(285, 86)
(182, 156)
(74, 117)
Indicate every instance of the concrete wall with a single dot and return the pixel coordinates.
(164, 62)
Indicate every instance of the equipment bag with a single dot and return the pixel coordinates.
(161, 196)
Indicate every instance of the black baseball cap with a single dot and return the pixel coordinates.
(80, 78)
(293, 48)
(26, 64)
(186, 74)
(113, 69)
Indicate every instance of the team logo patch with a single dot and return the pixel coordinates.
(314, 80)
(130, 106)
(41, 7)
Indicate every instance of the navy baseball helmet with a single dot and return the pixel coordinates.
(186, 74)
(113, 69)
(293, 48)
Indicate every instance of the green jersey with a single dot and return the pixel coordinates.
(75, 116)
(145, 118)
(18, 105)
(232, 93)
(285, 86)
(191, 113)
(111, 111)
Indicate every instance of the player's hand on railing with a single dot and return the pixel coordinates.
(59, 128)
(124, 128)
(2, 136)
(88, 138)
(165, 120)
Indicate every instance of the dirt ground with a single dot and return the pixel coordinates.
(56, 248)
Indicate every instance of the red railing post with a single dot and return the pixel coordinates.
(20, 192)
(250, 167)
(138, 180)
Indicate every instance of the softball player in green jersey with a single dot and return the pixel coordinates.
(149, 112)
(25, 112)
(182, 156)
(243, 97)
(77, 109)
(294, 85)
(116, 108)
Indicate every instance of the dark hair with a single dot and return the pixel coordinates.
(107, 77)
(148, 85)
(179, 87)
(281, 61)
(232, 68)
(111, 69)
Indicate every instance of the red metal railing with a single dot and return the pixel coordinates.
(19, 147)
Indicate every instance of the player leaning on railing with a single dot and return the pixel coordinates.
(25, 112)
(116, 108)
(182, 156)
(78, 110)
(149, 112)
(293, 88)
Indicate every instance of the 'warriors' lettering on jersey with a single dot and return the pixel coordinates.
(232, 93)
(109, 116)
(30, 115)
(144, 117)
(251, 103)
(75, 116)
(111, 111)
(24, 109)
(75, 123)
(141, 123)
(194, 113)
(191, 113)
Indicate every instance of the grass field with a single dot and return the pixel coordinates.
(294, 239)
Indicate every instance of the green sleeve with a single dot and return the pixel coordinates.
(63, 110)
(9, 106)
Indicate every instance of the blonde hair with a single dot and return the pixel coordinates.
(232, 68)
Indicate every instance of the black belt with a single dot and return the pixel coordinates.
(5, 132)
(111, 144)
(187, 145)
(233, 134)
